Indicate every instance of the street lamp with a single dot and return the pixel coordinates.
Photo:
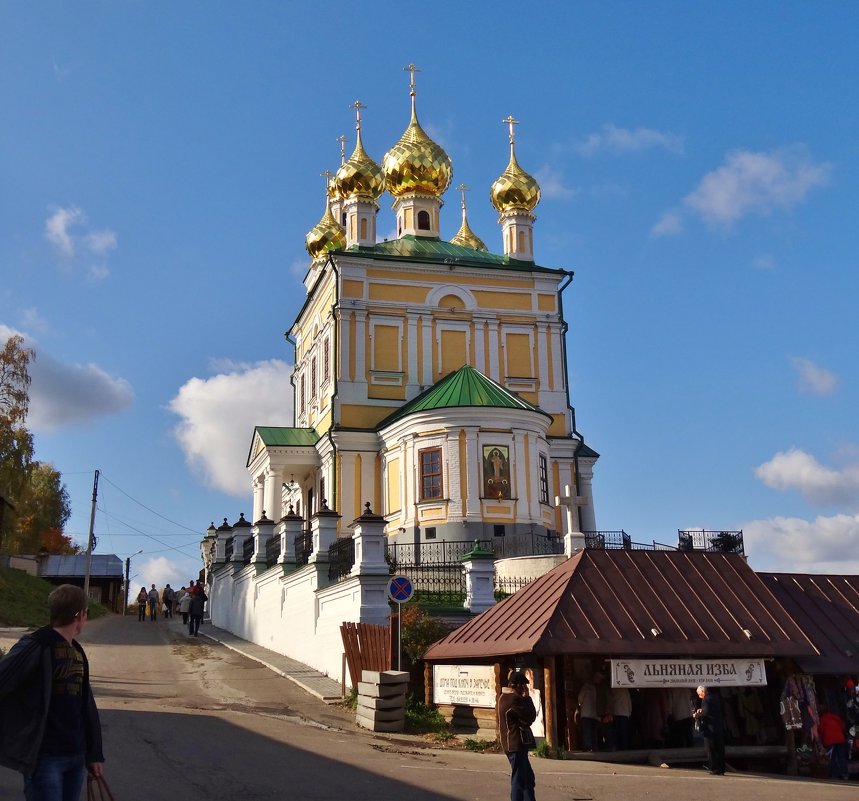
(127, 571)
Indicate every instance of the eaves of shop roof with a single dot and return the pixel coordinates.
(464, 388)
(610, 603)
(827, 610)
(437, 251)
(69, 566)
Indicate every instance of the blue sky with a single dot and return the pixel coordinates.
(159, 165)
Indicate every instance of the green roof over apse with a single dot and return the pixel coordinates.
(435, 250)
(466, 387)
(278, 435)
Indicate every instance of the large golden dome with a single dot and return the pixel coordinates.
(326, 235)
(416, 163)
(359, 176)
(514, 188)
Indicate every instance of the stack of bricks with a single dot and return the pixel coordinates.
(382, 700)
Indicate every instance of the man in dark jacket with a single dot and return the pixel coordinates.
(516, 713)
(49, 726)
(711, 724)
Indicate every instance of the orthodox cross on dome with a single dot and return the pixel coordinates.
(463, 188)
(342, 140)
(327, 175)
(511, 122)
(412, 69)
(357, 105)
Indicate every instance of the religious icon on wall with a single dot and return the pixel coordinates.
(496, 472)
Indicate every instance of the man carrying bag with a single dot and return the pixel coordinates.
(516, 713)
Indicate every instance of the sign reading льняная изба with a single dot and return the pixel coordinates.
(687, 672)
(468, 685)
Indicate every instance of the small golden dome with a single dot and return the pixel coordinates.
(416, 163)
(326, 235)
(359, 176)
(514, 188)
(465, 236)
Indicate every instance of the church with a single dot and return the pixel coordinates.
(430, 376)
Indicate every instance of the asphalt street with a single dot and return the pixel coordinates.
(188, 718)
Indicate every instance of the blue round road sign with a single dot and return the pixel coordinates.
(400, 589)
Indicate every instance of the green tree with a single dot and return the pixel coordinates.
(16, 441)
(43, 507)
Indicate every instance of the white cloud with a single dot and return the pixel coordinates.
(799, 471)
(794, 545)
(218, 415)
(623, 140)
(57, 230)
(670, 223)
(67, 230)
(33, 321)
(161, 570)
(813, 379)
(755, 183)
(68, 394)
(552, 184)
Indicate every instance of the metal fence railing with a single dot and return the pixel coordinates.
(341, 558)
(247, 550)
(303, 547)
(272, 551)
(718, 541)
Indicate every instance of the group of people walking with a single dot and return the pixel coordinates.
(188, 602)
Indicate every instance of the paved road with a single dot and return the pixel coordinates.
(186, 718)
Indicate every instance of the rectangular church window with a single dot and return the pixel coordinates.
(544, 480)
(430, 467)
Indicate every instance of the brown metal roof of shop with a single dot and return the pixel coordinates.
(826, 608)
(635, 603)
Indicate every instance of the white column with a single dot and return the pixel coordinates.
(494, 372)
(479, 567)
(360, 341)
(426, 367)
(413, 378)
(368, 534)
(471, 508)
(542, 358)
(586, 491)
(344, 336)
(259, 500)
(272, 494)
(479, 346)
(521, 489)
(557, 360)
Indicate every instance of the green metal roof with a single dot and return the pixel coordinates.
(278, 435)
(435, 250)
(466, 387)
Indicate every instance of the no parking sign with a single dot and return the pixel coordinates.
(400, 590)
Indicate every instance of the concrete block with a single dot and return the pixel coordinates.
(381, 690)
(381, 715)
(383, 726)
(395, 702)
(385, 676)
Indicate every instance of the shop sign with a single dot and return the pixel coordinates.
(466, 685)
(687, 672)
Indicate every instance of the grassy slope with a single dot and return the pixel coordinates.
(24, 599)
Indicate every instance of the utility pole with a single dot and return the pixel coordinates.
(90, 540)
(127, 571)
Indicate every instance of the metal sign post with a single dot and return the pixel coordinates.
(400, 591)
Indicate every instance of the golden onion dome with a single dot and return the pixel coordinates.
(465, 236)
(327, 234)
(359, 176)
(416, 163)
(514, 188)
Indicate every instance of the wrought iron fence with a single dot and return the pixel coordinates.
(341, 558)
(534, 544)
(431, 552)
(609, 540)
(507, 585)
(272, 551)
(228, 550)
(718, 541)
(248, 550)
(303, 547)
(435, 568)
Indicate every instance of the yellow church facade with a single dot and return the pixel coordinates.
(430, 376)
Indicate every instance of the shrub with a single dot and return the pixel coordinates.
(423, 719)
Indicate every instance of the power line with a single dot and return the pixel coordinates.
(148, 509)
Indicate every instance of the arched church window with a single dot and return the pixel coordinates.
(423, 221)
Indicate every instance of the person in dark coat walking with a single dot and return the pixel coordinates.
(711, 724)
(195, 610)
(49, 725)
(516, 713)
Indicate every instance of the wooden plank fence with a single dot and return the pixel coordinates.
(367, 646)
